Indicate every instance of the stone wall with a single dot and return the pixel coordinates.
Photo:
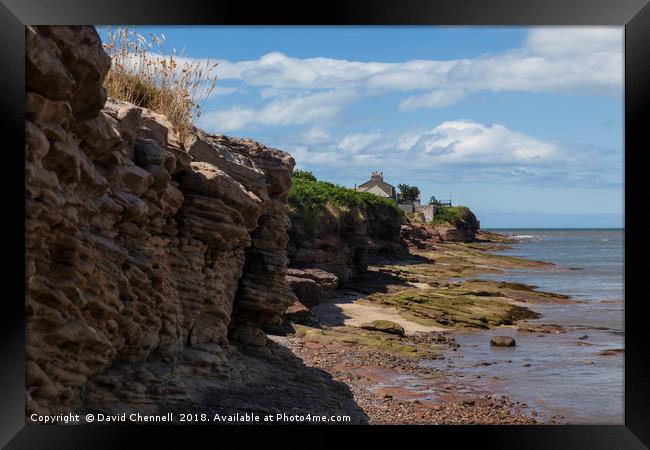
(407, 207)
(428, 211)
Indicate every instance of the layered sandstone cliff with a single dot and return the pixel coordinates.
(341, 240)
(146, 257)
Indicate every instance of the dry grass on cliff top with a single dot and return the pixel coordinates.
(144, 73)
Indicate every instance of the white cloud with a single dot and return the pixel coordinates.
(557, 59)
(465, 141)
(358, 141)
(562, 41)
(311, 91)
(453, 143)
(460, 151)
(278, 70)
(434, 99)
(296, 110)
(316, 135)
(223, 90)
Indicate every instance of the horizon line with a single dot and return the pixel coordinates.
(553, 228)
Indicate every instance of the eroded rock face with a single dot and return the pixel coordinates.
(141, 250)
(455, 234)
(262, 293)
(419, 236)
(462, 230)
(340, 242)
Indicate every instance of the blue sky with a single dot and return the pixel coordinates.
(523, 125)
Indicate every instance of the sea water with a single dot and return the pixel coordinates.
(561, 373)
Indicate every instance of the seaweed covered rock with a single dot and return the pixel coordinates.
(385, 326)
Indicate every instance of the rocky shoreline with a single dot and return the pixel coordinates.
(156, 267)
(432, 294)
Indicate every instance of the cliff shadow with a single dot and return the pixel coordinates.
(331, 312)
(276, 383)
(402, 260)
(377, 281)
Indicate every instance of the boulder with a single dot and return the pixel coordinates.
(419, 236)
(542, 328)
(297, 312)
(326, 280)
(311, 286)
(612, 352)
(385, 326)
(462, 229)
(502, 341)
(80, 51)
(307, 290)
(148, 151)
(45, 72)
(209, 181)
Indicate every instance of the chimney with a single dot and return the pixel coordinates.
(377, 176)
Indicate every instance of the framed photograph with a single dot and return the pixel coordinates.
(411, 218)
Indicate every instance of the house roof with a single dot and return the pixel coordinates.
(381, 184)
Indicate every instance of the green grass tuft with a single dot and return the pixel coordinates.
(308, 193)
(317, 207)
(453, 215)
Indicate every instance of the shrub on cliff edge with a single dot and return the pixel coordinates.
(308, 193)
(453, 215)
(145, 74)
(317, 204)
(304, 174)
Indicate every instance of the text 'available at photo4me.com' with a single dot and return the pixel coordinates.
(179, 418)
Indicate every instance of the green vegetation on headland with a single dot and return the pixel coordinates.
(453, 215)
(318, 208)
(308, 193)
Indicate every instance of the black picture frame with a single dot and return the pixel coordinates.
(634, 15)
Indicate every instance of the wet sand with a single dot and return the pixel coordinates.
(435, 296)
(343, 309)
